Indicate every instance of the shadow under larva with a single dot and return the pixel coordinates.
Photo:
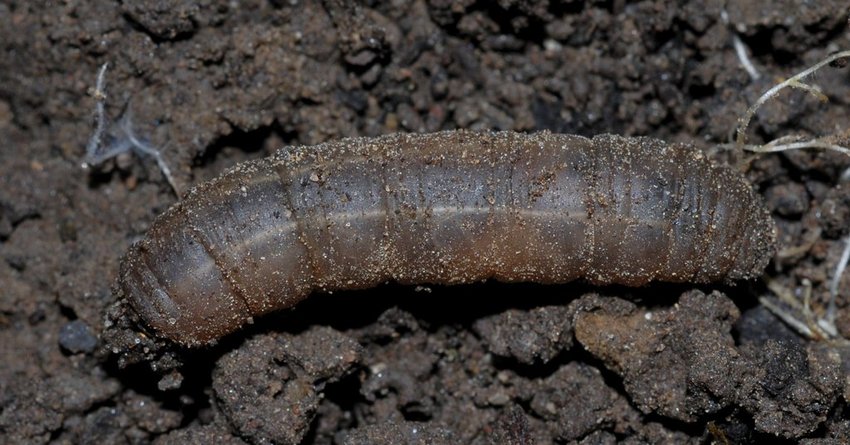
(443, 208)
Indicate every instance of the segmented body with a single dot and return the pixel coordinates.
(443, 208)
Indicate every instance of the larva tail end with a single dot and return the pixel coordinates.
(757, 247)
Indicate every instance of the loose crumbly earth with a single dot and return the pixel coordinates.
(214, 83)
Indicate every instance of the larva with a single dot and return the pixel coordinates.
(443, 208)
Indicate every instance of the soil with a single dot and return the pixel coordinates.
(212, 83)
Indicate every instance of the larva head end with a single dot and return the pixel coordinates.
(126, 338)
(177, 289)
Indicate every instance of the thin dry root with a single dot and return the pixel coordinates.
(99, 94)
(809, 240)
(800, 316)
(795, 81)
(831, 312)
(740, 49)
(777, 146)
(140, 146)
(807, 323)
(126, 139)
(790, 319)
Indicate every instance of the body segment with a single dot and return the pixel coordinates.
(444, 208)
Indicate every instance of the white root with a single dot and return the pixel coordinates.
(125, 140)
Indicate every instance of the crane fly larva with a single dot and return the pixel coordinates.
(444, 208)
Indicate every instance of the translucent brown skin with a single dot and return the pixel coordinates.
(443, 208)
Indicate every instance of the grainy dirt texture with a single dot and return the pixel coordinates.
(212, 83)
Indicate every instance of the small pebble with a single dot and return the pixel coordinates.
(76, 337)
